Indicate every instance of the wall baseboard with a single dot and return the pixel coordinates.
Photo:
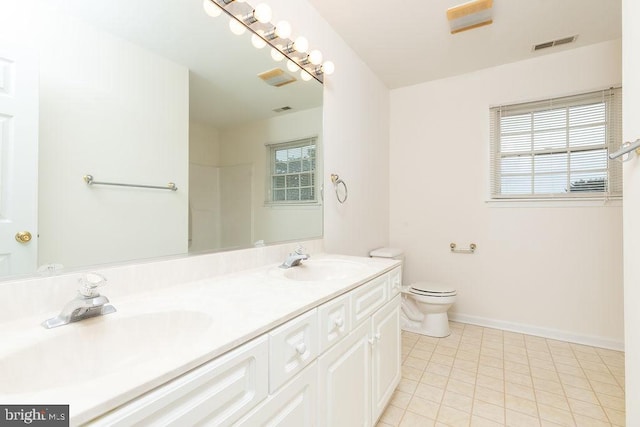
(538, 331)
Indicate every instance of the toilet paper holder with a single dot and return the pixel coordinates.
(470, 250)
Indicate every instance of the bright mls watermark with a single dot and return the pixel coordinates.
(36, 415)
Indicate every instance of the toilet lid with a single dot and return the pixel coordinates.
(432, 289)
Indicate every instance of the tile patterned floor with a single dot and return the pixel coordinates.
(487, 377)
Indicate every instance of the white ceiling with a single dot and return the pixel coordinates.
(406, 42)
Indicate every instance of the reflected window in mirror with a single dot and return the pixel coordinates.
(293, 172)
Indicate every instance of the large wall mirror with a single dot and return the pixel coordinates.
(147, 92)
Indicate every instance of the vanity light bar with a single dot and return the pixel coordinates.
(257, 20)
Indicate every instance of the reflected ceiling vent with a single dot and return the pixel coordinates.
(277, 77)
(281, 109)
(558, 42)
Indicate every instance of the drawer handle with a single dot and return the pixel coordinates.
(301, 348)
(339, 322)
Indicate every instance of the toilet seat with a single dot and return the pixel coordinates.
(432, 289)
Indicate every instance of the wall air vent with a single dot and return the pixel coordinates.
(277, 77)
(281, 109)
(558, 42)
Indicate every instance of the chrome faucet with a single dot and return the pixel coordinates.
(88, 303)
(294, 258)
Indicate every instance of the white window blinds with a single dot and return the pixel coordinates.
(293, 172)
(557, 148)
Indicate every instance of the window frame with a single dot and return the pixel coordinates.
(271, 168)
(612, 99)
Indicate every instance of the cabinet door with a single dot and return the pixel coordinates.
(344, 382)
(294, 405)
(386, 354)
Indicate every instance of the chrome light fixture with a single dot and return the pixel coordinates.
(257, 20)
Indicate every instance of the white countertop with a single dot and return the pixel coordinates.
(236, 307)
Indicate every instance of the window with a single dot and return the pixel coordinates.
(293, 172)
(557, 148)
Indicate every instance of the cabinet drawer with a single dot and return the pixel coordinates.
(216, 393)
(292, 346)
(294, 405)
(334, 320)
(368, 298)
(395, 281)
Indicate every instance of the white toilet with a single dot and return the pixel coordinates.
(424, 304)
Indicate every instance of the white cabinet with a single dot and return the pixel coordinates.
(344, 382)
(386, 358)
(214, 394)
(294, 405)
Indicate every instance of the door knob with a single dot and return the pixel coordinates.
(23, 236)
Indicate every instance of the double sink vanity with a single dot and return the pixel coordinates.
(314, 344)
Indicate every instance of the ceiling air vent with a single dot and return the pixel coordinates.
(281, 109)
(553, 43)
(277, 77)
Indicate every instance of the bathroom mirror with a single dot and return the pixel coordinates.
(147, 92)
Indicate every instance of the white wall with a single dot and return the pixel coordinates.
(204, 187)
(553, 270)
(356, 135)
(246, 145)
(120, 113)
(631, 131)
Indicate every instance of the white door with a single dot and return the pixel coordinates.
(18, 161)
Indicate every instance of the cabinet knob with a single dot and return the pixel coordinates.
(339, 322)
(301, 348)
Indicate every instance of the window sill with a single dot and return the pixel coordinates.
(554, 203)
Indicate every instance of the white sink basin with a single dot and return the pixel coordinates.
(321, 270)
(97, 347)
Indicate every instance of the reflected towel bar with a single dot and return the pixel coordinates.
(627, 147)
(89, 180)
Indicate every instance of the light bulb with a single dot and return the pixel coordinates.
(262, 13)
(301, 44)
(277, 56)
(328, 68)
(257, 42)
(315, 57)
(283, 29)
(236, 28)
(305, 76)
(211, 9)
(240, 1)
(292, 66)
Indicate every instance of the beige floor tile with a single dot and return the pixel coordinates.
(576, 371)
(516, 378)
(494, 344)
(460, 387)
(594, 366)
(617, 370)
(588, 357)
(467, 365)
(542, 363)
(381, 424)
(457, 401)
(552, 399)
(490, 371)
(582, 421)
(445, 350)
(490, 396)
(492, 352)
(462, 375)
(590, 410)
(453, 417)
(411, 373)
(616, 417)
(515, 349)
(429, 392)
(547, 385)
(424, 346)
(519, 404)
(470, 343)
(434, 379)
(489, 411)
(414, 420)
(483, 422)
(420, 354)
(574, 381)
(400, 399)
(540, 355)
(545, 374)
(517, 357)
(611, 402)
(581, 394)
(555, 415)
(416, 363)
(583, 348)
(613, 360)
(562, 351)
(490, 361)
(489, 382)
(471, 356)
(518, 419)
(392, 415)
(601, 377)
(438, 368)
(545, 423)
(518, 367)
(606, 388)
(424, 407)
(442, 359)
(407, 386)
(571, 361)
(520, 391)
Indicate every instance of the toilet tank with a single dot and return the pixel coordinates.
(391, 253)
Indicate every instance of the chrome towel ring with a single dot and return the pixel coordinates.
(336, 184)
